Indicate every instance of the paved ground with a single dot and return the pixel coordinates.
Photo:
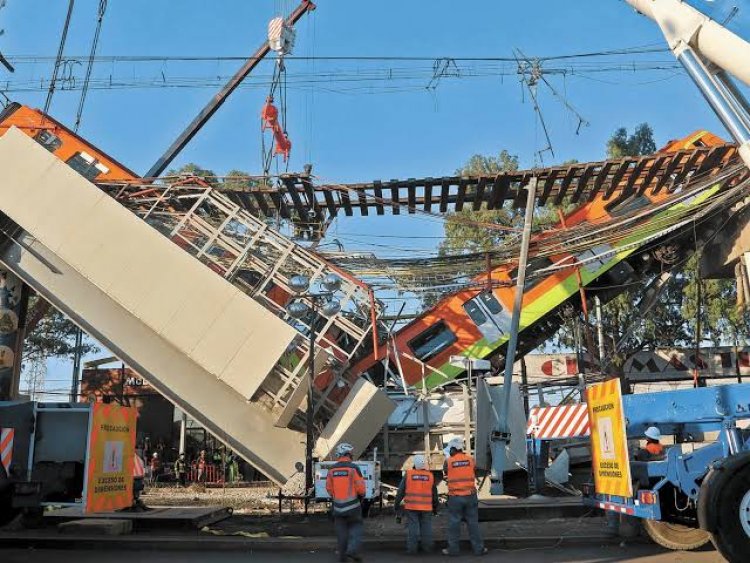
(603, 554)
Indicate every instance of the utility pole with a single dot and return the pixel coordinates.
(501, 436)
(599, 330)
(77, 353)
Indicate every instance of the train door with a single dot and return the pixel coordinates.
(492, 320)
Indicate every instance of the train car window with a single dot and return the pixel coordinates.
(491, 302)
(475, 312)
(432, 341)
(615, 209)
(48, 140)
(86, 165)
(534, 264)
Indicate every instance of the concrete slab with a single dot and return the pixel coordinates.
(163, 517)
(96, 527)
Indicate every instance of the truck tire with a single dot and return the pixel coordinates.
(676, 536)
(732, 516)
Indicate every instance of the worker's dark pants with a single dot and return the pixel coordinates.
(137, 488)
(348, 532)
(419, 528)
(182, 478)
(464, 508)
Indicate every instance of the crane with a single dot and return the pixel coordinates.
(219, 98)
(710, 53)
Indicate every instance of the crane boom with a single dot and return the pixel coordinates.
(683, 25)
(216, 102)
(709, 52)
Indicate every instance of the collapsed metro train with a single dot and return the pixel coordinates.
(475, 322)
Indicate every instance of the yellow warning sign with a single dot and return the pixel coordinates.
(609, 443)
(109, 474)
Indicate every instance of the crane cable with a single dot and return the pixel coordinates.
(278, 83)
(90, 64)
(58, 59)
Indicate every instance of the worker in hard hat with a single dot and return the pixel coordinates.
(346, 486)
(418, 491)
(155, 465)
(653, 451)
(463, 504)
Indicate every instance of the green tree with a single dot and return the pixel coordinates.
(639, 143)
(465, 230)
(193, 169)
(53, 335)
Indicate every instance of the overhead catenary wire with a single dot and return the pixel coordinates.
(457, 270)
(625, 51)
(101, 10)
(357, 81)
(59, 57)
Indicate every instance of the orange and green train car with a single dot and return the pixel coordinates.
(475, 322)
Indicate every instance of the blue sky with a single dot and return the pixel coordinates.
(372, 132)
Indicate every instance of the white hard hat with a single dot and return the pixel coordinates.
(456, 444)
(344, 449)
(420, 462)
(653, 433)
(155, 455)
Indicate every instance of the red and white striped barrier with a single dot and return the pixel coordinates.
(616, 508)
(6, 447)
(567, 421)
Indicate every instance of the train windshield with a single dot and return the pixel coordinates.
(492, 304)
(488, 315)
(475, 312)
(432, 341)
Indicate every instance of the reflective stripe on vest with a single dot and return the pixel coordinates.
(418, 493)
(138, 469)
(461, 480)
(344, 494)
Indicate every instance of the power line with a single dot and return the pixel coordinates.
(90, 66)
(58, 58)
(354, 58)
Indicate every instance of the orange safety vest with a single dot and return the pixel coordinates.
(345, 485)
(461, 481)
(654, 449)
(418, 494)
(138, 469)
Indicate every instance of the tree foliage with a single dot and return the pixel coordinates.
(639, 143)
(192, 169)
(53, 336)
(466, 230)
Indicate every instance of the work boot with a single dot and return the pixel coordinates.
(484, 551)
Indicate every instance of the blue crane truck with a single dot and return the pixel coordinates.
(697, 493)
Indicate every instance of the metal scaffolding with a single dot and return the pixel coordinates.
(260, 261)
